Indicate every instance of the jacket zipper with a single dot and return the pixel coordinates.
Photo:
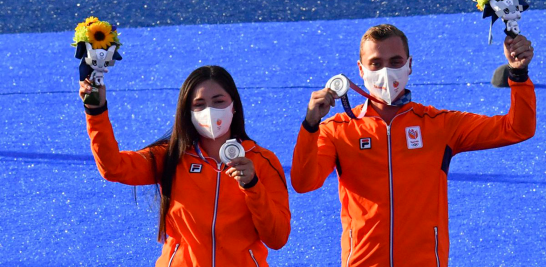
(391, 196)
(350, 251)
(391, 239)
(174, 253)
(252, 256)
(436, 245)
(214, 217)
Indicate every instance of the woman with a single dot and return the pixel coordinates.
(211, 214)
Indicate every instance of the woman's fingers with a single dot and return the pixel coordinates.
(85, 88)
(241, 169)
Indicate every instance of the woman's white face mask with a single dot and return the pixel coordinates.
(386, 83)
(212, 122)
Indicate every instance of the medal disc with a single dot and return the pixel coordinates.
(338, 84)
(231, 149)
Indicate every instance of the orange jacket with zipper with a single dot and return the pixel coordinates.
(212, 221)
(393, 178)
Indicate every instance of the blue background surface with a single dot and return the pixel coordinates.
(56, 210)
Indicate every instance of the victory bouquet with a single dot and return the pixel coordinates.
(510, 13)
(97, 45)
(508, 10)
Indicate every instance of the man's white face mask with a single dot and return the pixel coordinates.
(387, 83)
(212, 122)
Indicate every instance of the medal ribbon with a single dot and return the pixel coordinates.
(347, 106)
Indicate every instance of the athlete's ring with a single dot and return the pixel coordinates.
(242, 174)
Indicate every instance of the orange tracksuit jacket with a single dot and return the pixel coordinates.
(212, 221)
(393, 178)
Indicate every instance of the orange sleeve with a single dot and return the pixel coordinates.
(127, 167)
(476, 132)
(267, 200)
(313, 160)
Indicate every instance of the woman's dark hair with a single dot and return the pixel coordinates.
(184, 135)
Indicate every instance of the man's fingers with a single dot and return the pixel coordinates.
(519, 41)
(330, 98)
(516, 51)
(522, 51)
(326, 96)
(320, 104)
(334, 95)
(320, 94)
(325, 100)
(519, 38)
(525, 55)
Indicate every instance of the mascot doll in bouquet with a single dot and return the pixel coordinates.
(97, 45)
(509, 11)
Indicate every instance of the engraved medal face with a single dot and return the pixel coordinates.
(338, 84)
(230, 150)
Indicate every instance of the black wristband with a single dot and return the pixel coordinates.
(252, 182)
(96, 111)
(518, 75)
(310, 128)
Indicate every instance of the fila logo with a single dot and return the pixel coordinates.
(413, 137)
(196, 168)
(365, 143)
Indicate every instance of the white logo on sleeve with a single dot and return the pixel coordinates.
(413, 137)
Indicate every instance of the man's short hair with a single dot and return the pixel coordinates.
(382, 32)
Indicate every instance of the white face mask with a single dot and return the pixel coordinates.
(212, 122)
(387, 83)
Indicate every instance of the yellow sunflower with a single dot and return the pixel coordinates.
(91, 20)
(481, 4)
(100, 35)
(80, 26)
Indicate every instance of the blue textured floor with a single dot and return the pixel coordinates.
(57, 211)
(54, 15)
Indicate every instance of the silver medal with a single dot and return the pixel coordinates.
(338, 84)
(231, 149)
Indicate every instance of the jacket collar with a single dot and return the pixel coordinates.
(366, 110)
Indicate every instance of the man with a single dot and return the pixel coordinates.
(392, 159)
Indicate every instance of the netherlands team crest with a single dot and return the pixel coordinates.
(414, 138)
